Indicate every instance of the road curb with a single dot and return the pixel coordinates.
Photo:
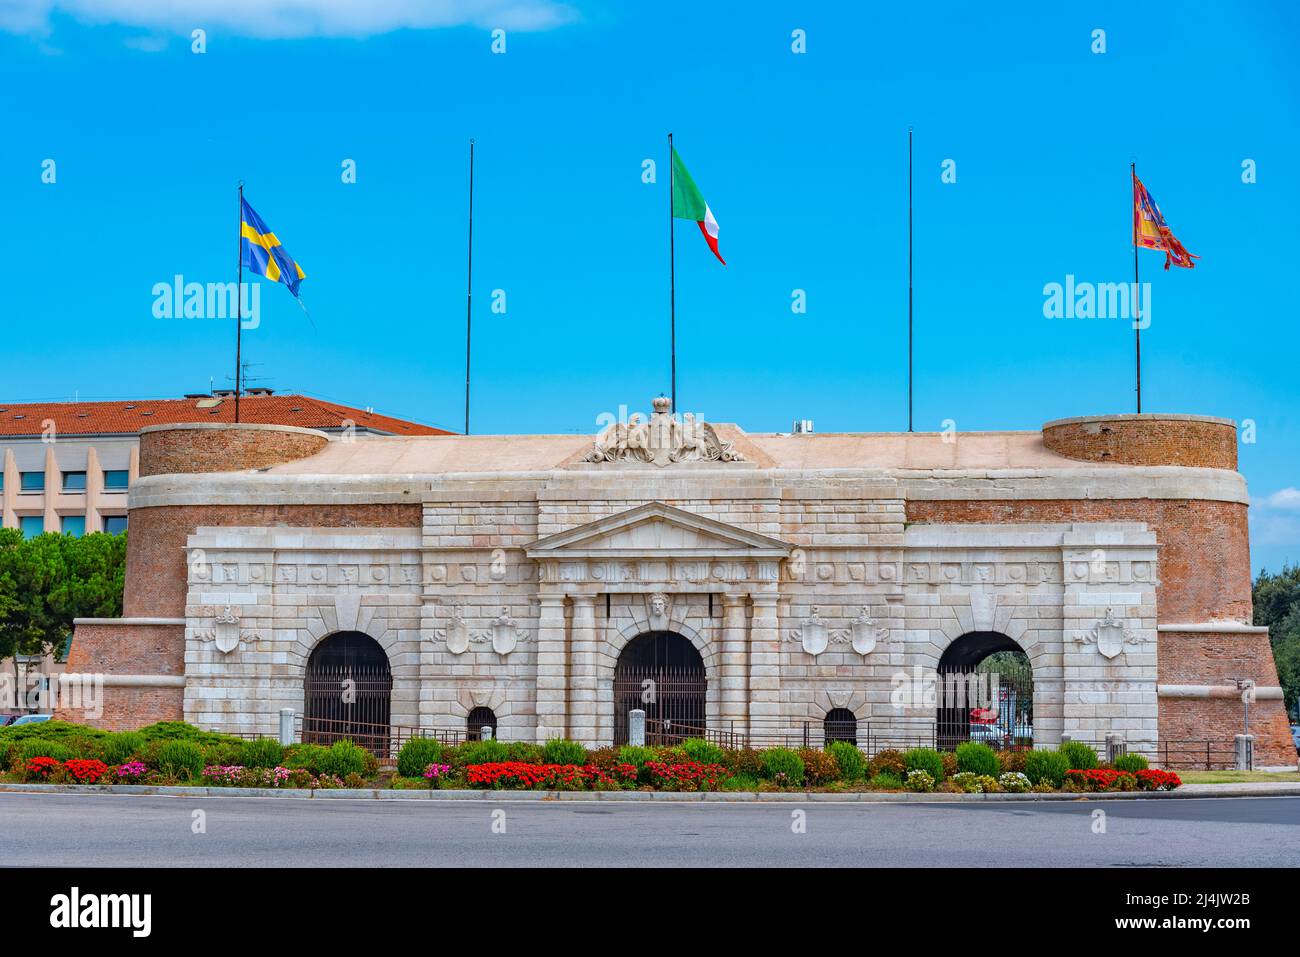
(1245, 789)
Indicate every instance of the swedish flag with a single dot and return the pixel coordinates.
(261, 252)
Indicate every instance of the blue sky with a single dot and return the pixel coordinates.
(802, 158)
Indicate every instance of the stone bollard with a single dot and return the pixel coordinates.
(485, 733)
(286, 726)
(636, 727)
(1115, 746)
(1245, 749)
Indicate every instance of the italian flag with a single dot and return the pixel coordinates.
(688, 203)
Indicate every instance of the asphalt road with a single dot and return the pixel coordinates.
(128, 830)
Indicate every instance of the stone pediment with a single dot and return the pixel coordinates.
(657, 530)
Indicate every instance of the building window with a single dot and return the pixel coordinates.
(74, 481)
(115, 524)
(74, 525)
(841, 724)
(478, 719)
(115, 480)
(31, 525)
(32, 481)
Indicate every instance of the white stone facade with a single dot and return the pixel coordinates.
(520, 590)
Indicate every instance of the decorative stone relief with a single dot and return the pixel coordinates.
(662, 441)
(504, 634)
(659, 611)
(863, 634)
(226, 633)
(456, 634)
(813, 634)
(1109, 635)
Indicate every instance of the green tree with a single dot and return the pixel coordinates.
(48, 581)
(1277, 605)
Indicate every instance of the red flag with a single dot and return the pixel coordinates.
(1151, 232)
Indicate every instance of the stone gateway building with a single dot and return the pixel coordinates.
(764, 587)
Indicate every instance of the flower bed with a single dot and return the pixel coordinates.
(686, 776)
(238, 776)
(520, 775)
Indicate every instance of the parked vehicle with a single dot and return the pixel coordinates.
(1295, 737)
(30, 719)
(8, 719)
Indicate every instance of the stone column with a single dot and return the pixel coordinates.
(551, 676)
(735, 666)
(582, 671)
(764, 666)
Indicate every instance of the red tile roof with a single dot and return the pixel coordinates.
(131, 415)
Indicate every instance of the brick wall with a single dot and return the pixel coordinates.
(1204, 546)
(1185, 724)
(231, 448)
(129, 649)
(1146, 440)
(155, 551)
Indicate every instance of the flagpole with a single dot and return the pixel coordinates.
(469, 280)
(672, 284)
(1137, 295)
(239, 298)
(909, 279)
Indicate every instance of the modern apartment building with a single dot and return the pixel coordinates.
(67, 466)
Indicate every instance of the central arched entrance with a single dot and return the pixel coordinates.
(661, 673)
(984, 692)
(347, 692)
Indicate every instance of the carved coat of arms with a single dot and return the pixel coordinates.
(663, 440)
(226, 632)
(863, 633)
(456, 634)
(812, 633)
(1109, 635)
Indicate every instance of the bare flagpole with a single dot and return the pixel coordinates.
(672, 283)
(1137, 293)
(909, 279)
(239, 298)
(469, 280)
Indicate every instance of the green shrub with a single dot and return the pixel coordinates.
(988, 784)
(180, 731)
(416, 755)
(919, 779)
(562, 751)
(927, 760)
(305, 756)
(967, 781)
(636, 755)
(526, 752)
(261, 753)
(226, 753)
(466, 753)
(889, 761)
(706, 752)
(343, 758)
(978, 758)
(884, 781)
(1046, 767)
(36, 748)
(852, 765)
(819, 768)
(1130, 763)
(120, 747)
(50, 731)
(179, 758)
(1080, 756)
(783, 766)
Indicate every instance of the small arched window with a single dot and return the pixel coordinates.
(479, 719)
(840, 725)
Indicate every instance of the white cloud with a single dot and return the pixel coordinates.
(275, 19)
(1287, 500)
